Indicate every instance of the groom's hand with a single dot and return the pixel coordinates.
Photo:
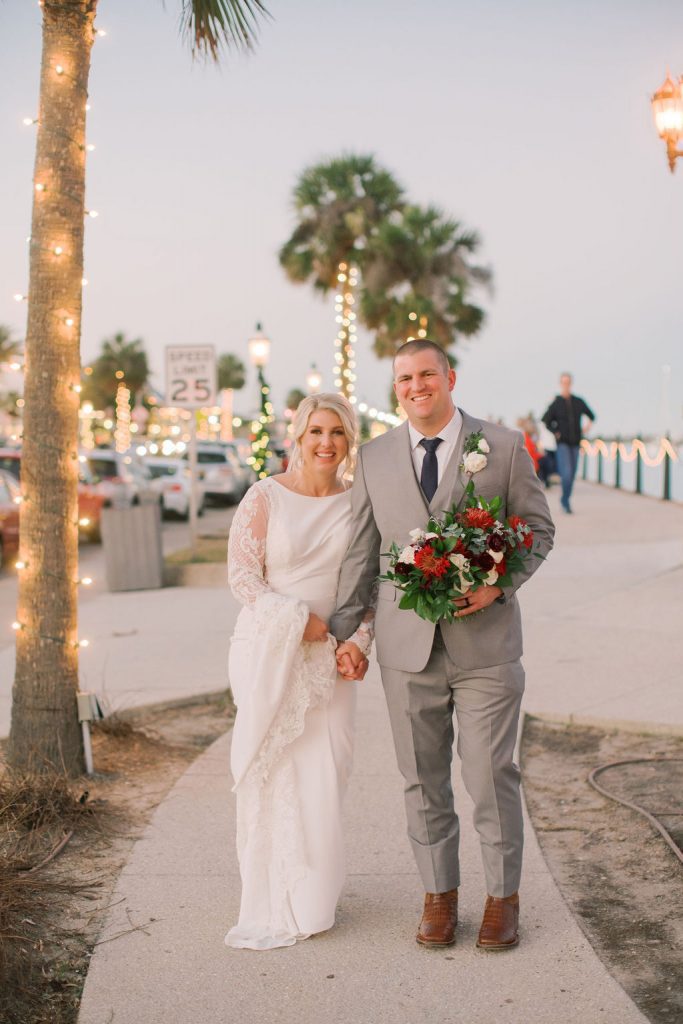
(476, 602)
(352, 664)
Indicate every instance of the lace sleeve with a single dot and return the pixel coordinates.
(247, 547)
(365, 633)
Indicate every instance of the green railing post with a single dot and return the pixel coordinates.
(667, 475)
(617, 465)
(599, 465)
(639, 468)
(584, 468)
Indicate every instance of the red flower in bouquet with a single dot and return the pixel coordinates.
(430, 563)
(478, 518)
(516, 522)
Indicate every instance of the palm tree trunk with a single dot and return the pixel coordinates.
(345, 357)
(45, 731)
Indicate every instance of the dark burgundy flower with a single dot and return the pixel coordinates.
(402, 569)
(485, 561)
(496, 542)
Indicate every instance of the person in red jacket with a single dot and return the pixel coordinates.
(528, 428)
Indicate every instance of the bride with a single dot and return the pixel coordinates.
(292, 743)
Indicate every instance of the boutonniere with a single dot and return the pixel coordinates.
(475, 450)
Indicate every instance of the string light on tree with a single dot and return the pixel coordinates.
(122, 433)
(259, 351)
(344, 356)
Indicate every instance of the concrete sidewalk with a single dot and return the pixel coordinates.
(604, 643)
(181, 887)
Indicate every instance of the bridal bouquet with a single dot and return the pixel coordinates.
(455, 555)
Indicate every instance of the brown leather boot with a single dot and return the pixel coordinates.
(501, 921)
(439, 918)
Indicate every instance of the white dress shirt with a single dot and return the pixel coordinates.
(449, 438)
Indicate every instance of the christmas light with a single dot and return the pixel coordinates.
(59, 69)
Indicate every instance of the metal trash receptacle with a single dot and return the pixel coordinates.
(131, 539)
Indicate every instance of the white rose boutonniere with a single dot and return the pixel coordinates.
(475, 450)
(474, 461)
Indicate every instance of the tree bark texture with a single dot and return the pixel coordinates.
(45, 733)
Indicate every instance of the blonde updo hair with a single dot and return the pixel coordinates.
(332, 403)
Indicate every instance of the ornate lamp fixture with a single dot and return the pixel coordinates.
(667, 108)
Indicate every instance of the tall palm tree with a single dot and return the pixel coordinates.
(339, 207)
(45, 731)
(120, 356)
(419, 280)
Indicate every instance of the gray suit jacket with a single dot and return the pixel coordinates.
(388, 502)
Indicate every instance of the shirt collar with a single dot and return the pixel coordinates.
(448, 434)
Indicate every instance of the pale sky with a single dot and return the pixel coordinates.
(530, 122)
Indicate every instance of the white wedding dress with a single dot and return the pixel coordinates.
(292, 743)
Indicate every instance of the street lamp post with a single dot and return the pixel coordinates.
(314, 380)
(667, 109)
(259, 351)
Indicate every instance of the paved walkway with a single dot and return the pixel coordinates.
(603, 641)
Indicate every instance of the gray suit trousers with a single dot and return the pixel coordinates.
(487, 703)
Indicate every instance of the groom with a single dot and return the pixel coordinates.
(472, 667)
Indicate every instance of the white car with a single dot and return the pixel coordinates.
(121, 479)
(220, 473)
(171, 480)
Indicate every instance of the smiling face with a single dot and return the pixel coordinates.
(323, 444)
(423, 389)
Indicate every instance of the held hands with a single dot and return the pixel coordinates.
(476, 602)
(351, 663)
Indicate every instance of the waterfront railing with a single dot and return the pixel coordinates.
(649, 466)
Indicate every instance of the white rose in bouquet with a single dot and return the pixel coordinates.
(407, 556)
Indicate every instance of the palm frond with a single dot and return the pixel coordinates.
(210, 24)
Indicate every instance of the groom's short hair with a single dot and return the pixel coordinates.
(409, 348)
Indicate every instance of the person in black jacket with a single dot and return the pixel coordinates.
(563, 417)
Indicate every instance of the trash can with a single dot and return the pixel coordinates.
(131, 539)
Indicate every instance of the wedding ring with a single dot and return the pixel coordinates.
(467, 602)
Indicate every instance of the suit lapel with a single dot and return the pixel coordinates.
(454, 479)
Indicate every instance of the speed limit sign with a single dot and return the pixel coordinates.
(190, 376)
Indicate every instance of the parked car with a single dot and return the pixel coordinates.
(242, 450)
(9, 516)
(220, 474)
(122, 480)
(90, 502)
(171, 479)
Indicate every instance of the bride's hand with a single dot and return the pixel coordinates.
(316, 629)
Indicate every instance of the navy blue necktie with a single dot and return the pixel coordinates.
(429, 477)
